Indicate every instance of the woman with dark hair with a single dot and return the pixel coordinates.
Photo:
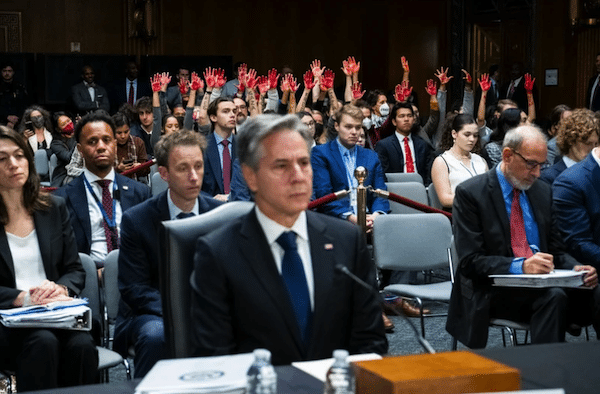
(62, 145)
(509, 119)
(131, 150)
(36, 126)
(39, 264)
(457, 163)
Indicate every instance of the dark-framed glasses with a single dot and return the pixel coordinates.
(531, 164)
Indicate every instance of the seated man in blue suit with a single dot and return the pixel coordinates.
(334, 164)
(220, 151)
(98, 197)
(140, 322)
(405, 151)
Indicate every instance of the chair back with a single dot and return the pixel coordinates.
(90, 290)
(176, 264)
(413, 190)
(432, 197)
(110, 278)
(158, 184)
(52, 165)
(404, 177)
(412, 242)
(42, 165)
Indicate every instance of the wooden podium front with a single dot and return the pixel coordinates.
(449, 372)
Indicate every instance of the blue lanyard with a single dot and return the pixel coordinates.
(112, 223)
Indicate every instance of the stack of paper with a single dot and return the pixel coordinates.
(223, 374)
(71, 315)
(556, 278)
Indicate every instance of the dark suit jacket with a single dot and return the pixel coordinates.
(240, 302)
(57, 246)
(83, 102)
(482, 235)
(118, 92)
(213, 175)
(519, 96)
(329, 176)
(392, 159)
(549, 174)
(138, 261)
(131, 193)
(588, 95)
(577, 204)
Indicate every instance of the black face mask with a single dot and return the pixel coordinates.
(37, 121)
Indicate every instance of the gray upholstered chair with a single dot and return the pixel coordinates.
(404, 177)
(413, 190)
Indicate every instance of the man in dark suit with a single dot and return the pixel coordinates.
(504, 224)
(392, 150)
(576, 195)
(269, 279)
(140, 322)
(220, 151)
(592, 97)
(128, 89)
(515, 89)
(87, 95)
(97, 198)
(334, 164)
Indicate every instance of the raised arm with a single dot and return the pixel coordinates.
(350, 69)
(251, 83)
(468, 99)
(434, 110)
(327, 85)
(196, 84)
(357, 92)
(160, 82)
(309, 83)
(406, 68)
(272, 93)
(484, 82)
(530, 103)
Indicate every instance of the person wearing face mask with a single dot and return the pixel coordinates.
(37, 128)
(380, 108)
(62, 145)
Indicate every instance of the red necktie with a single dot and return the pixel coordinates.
(518, 237)
(107, 205)
(226, 167)
(410, 164)
(511, 89)
(131, 94)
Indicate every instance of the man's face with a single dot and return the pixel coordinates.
(88, 75)
(522, 166)
(183, 75)
(348, 130)
(283, 181)
(179, 112)
(122, 134)
(581, 149)
(97, 145)
(404, 121)
(7, 74)
(131, 71)
(242, 110)
(515, 71)
(146, 118)
(226, 115)
(318, 118)
(184, 173)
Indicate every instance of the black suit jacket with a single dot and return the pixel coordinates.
(482, 236)
(392, 158)
(131, 193)
(117, 92)
(240, 302)
(213, 175)
(549, 174)
(57, 246)
(139, 261)
(588, 95)
(83, 102)
(519, 96)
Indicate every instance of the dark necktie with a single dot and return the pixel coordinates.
(518, 236)
(184, 215)
(293, 275)
(511, 90)
(596, 97)
(226, 167)
(131, 98)
(107, 205)
(410, 164)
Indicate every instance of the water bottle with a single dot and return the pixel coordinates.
(340, 378)
(262, 378)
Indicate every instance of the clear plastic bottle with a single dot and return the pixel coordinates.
(262, 378)
(340, 377)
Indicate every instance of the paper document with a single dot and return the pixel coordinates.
(70, 315)
(319, 368)
(557, 278)
(223, 374)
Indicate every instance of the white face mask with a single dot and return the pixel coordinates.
(367, 123)
(384, 109)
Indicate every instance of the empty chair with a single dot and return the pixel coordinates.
(412, 190)
(42, 165)
(413, 242)
(404, 177)
(158, 184)
(432, 196)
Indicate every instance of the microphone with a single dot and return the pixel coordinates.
(422, 341)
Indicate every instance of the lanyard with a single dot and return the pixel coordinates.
(112, 223)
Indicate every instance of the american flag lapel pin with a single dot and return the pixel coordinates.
(328, 246)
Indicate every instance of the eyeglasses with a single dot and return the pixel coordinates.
(530, 164)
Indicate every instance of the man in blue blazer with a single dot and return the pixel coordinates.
(576, 197)
(140, 319)
(332, 172)
(84, 195)
(222, 113)
(391, 153)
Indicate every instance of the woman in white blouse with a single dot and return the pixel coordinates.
(39, 264)
(457, 163)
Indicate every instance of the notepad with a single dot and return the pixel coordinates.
(557, 278)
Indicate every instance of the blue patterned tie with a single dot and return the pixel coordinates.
(183, 215)
(293, 275)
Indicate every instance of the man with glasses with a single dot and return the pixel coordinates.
(504, 224)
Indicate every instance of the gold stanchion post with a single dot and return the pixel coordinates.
(360, 173)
